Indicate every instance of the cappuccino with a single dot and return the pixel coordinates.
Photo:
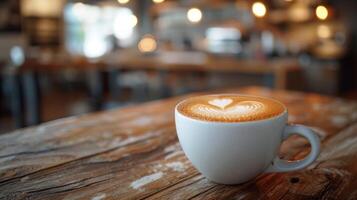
(230, 108)
(233, 153)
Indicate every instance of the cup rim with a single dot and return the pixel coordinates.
(236, 94)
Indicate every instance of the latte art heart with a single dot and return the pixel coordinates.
(222, 103)
(230, 108)
(239, 109)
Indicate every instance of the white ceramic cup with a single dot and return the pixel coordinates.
(235, 152)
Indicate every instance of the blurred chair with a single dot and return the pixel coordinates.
(138, 82)
(20, 87)
(12, 87)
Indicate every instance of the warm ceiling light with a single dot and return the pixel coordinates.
(324, 31)
(194, 15)
(158, 1)
(259, 9)
(321, 12)
(37, 8)
(147, 44)
(123, 1)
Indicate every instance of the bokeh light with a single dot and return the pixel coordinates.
(123, 1)
(321, 12)
(259, 9)
(194, 15)
(158, 1)
(147, 44)
(94, 46)
(324, 31)
(124, 25)
(299, 12)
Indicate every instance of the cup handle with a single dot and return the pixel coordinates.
(279, 165)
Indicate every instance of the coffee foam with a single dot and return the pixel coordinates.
(230, 108)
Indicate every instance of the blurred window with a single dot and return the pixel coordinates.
(93, 31)
(223, 40)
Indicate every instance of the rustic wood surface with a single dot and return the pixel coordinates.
(133, 153)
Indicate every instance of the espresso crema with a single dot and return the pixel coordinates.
(230, 108)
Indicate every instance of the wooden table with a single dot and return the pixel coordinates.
(279, 68)
(133, 153)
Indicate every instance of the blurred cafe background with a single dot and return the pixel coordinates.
(61, 58)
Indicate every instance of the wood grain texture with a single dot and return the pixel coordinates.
(133, 153)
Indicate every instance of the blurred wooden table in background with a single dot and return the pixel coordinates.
(279, 68)
(133, 153)
(25, 80)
